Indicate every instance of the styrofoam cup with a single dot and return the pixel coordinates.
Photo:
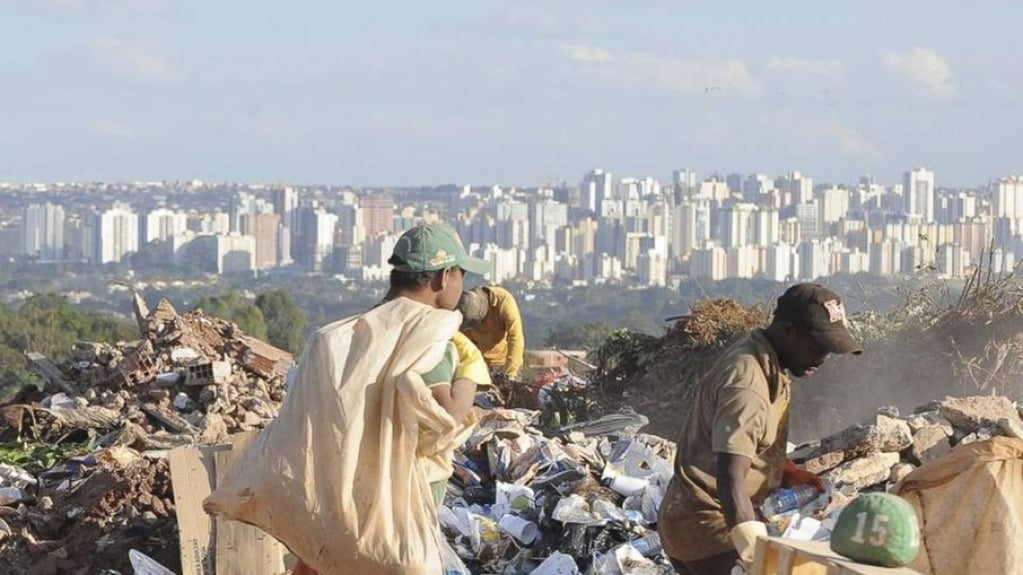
(521, 529)
(627, 485)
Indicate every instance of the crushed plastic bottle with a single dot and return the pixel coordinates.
(787, 499)
(648, 546)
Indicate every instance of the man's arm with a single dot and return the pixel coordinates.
(456, 398)
(731, 478)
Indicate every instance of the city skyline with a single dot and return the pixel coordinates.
(606, 229)
(522, 93)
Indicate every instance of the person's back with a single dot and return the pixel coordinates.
(493, 322)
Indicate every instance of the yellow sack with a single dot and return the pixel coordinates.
(339, 476)
(970, 507)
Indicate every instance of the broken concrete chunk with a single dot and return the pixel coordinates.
(1012, 428)
(972, 413)
(864, 472)
(887, 434)
(919, 421)
(805, 452)
(899, 471)
(930, 443)
(169, 419)
(822, 463)
(889, 411)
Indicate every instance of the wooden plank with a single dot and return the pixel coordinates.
(243, 549)
(786, 559)
(811, 558)
(760, 553)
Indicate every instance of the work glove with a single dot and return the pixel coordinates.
(792, 476)
(744, 537)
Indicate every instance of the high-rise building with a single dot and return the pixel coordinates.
(834, 205)
(235, 253)
(317, 239)
(809, 220)
(1007, 204)
(42, 231)
(547, 217)
(163, 223)
(116, 234)
(766, 229)
(797, 188)
(597, 186)
(736, 224)
(377, 213)
(813, 260)
(710, 262)
(264, 228)
(285, 202)
(918, 193)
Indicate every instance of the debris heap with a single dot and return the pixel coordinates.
(91, 479)
(557, 489)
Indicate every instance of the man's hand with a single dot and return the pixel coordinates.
(793, 476)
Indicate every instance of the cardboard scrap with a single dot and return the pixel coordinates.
(217, 547)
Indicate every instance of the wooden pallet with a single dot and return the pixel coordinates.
(777, 556)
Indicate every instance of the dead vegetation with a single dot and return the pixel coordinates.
(936, 342)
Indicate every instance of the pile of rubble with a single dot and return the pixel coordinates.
(191, 379)
(878, 454)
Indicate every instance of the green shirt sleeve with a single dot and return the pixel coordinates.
(444, 372)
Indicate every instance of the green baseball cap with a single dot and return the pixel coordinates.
(431, 247)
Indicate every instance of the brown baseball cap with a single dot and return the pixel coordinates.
(821, 312)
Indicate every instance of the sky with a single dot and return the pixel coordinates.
(519, 92)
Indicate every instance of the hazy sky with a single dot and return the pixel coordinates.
(507, 92)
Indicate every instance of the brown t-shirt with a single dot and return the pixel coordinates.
(741, 407)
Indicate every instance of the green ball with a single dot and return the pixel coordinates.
(877, 529)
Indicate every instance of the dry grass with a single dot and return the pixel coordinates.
(935, 343)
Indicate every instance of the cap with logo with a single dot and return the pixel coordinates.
(432, 247)
(821, 312)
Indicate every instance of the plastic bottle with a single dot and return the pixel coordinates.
(648, 546)
(787, 499)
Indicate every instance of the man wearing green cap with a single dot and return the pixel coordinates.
(428, 266)
(732, 444)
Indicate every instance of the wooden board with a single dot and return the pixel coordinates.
(217, 547)
(777, 556)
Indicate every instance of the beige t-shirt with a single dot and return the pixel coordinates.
(741, 407)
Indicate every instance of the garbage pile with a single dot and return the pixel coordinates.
(581, 498)
(584, 498)
(86, 478)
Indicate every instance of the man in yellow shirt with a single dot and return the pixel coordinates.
(492, 321)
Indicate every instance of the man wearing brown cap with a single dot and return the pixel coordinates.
(732, 443)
